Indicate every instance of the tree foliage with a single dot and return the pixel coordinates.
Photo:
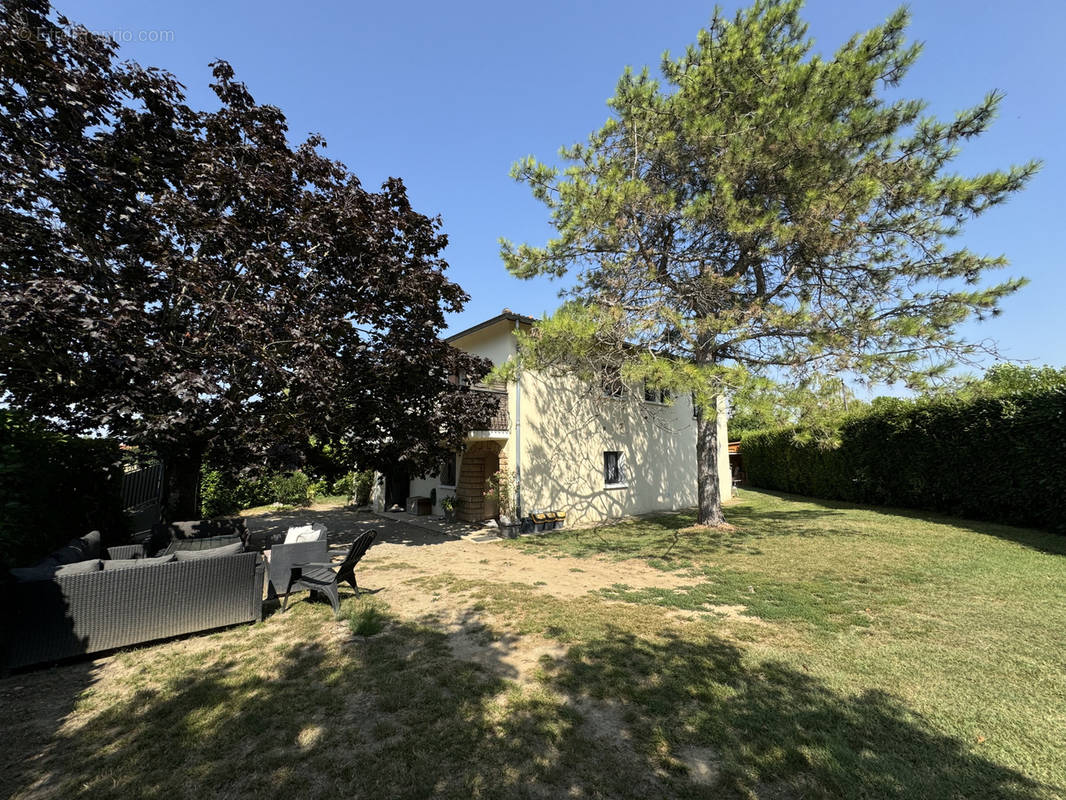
(1006, 378)
(195, 284)
(764, 207)
(814, 407)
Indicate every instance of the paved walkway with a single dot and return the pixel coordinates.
(344, 523)
(471, 531)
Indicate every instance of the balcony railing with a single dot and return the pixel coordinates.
(500, 420)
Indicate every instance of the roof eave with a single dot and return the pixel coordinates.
(507, 316)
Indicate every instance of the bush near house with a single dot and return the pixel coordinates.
(995, 458)
(223, 492)
(362, 485)
(292, 488)
(54, 487)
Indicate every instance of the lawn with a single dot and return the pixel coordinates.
(820, 650)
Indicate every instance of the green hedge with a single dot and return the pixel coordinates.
(53, 488)
(223, 493)
(994, 458)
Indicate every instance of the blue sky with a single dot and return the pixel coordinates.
(448, 95)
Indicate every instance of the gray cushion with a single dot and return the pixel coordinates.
(162, 535)
(136, 563)
(207, 543)
(80, 567)
(48, 571)
(202, 528)
(80, 549)
(213, 552)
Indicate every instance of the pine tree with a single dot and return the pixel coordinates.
(766, 210)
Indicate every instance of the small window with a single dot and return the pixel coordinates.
(653, 395)
(614, 473)
(448, 471)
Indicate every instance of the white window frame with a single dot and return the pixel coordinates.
(620, 463)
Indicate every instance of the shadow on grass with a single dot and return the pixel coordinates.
(34, 707)
(343, 526)
(398, 715)
(1044, 541)
(768, 730)
(662, 539)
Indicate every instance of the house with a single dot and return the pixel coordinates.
(594, 452)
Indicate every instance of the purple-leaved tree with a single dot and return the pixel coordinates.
(191, 282)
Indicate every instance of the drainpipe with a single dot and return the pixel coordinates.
(518, 437)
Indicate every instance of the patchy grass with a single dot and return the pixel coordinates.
(365, 617)
(822, 651)
(819, 602)
(961, 621)
(390, 565)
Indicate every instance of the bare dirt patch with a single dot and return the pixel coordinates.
(404, 553)
(475, 634)
(509, 655)
(702, 764)
(384, 565)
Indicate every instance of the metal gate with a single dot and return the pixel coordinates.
(142, 495)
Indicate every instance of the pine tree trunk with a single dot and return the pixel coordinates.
(182, 491)
(709, 496)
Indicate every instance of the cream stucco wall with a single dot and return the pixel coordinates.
(565, 429)
(496, 343)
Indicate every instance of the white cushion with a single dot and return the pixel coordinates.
(305, 533)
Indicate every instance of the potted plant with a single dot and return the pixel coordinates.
(448, 504)
(501, 490)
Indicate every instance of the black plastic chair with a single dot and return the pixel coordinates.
(324, 577)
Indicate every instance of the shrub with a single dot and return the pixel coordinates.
(222, 492)
(500, 489)
(362, 484)
(317, 488)
(292, 488)
(216, 494)
(343, 485)
(998, 458)
(54, 487)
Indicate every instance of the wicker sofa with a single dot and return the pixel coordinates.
(74, 614)
(162, 536)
